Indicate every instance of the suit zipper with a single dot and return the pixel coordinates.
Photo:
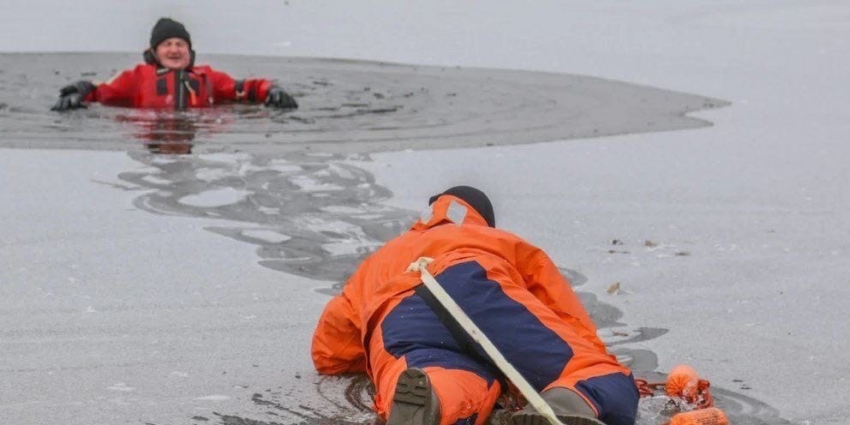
(179, 90)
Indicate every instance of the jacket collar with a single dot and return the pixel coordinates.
(448, 209)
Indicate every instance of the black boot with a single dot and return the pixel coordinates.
(414, 402)
(569, 407)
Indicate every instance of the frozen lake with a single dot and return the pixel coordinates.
(183, 289)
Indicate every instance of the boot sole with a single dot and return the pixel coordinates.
(537, 419)
(413, 402)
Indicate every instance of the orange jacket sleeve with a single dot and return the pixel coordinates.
(337, 346)
(545, 281)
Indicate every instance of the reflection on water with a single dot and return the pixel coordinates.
(170, 148)
(164, 132)
(175, 132)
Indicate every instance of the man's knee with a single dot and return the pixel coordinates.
(614, 396)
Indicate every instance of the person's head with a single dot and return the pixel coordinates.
(171, 44)
(475, 198)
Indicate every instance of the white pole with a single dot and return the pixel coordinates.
(478, 336)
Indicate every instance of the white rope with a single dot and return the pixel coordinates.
(478, 336)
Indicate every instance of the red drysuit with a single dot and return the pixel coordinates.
(147, 86)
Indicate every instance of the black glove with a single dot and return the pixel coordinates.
(280, 99)
(71, 97)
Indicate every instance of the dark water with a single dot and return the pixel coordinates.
(288, 182)
(346, 106)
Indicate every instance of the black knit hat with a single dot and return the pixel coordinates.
(475, 198)
(166, 28)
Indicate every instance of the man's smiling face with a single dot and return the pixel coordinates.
(173, 53)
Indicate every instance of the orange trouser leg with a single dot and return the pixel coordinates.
(464, 396)
(548, 349)
(411, 335)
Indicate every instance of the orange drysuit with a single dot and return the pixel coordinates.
(508, 287)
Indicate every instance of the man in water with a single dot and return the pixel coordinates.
(170, 79)
(427, 370)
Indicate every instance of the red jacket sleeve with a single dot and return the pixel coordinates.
(226, 89)
(119, 91)
(337, 346)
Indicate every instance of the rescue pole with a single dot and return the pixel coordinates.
(478, 336)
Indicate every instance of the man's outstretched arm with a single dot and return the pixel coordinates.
(256, 90)
(337, 346)
(118, 91)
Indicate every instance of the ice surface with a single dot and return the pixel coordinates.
(269, 236)
(215, 198)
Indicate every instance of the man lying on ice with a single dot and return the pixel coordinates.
(425, 368)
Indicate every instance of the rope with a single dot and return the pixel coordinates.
(478, 336)
(703, 399)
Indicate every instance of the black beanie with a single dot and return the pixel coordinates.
(166, 28)
(475, 198)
